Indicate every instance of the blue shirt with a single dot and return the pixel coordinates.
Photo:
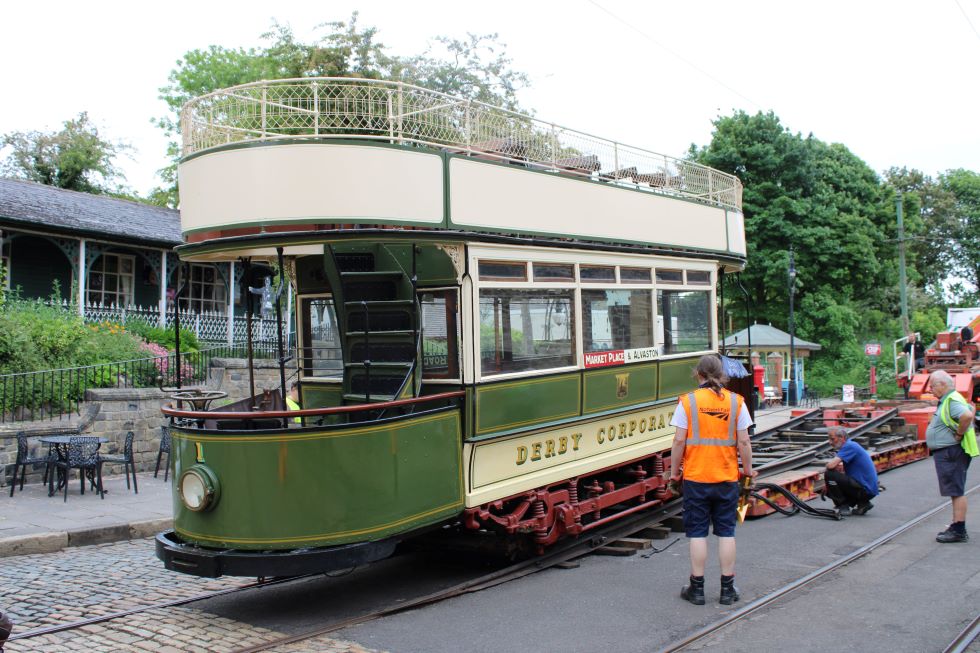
(858, 465)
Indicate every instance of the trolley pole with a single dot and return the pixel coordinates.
(901, 265)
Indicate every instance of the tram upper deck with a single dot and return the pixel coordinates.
(308, 155)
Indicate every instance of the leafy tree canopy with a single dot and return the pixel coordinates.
(475, 67)
(76, 158)
(819, 199)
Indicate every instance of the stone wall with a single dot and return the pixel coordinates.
(112, 412)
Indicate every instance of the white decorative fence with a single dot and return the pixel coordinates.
(207, 326)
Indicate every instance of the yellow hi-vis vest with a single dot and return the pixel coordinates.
(969, 441)
(710, 455)
(292, 405)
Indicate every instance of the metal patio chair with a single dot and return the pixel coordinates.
(83, 455)
(24, 459)
(126, 459)
(164, 449)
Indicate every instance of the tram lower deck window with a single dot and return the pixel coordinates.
(686, 320)
(524, 330)
(617, 319)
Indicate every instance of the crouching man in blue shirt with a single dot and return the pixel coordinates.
(851, 478)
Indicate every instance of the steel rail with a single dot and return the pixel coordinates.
(777, 594)
(47, 630)
(961, 643)
(562, 553)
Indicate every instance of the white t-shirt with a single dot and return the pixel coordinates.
(680, 417)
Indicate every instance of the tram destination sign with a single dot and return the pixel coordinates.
(619, 356)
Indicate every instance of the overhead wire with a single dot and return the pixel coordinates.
(967, 17)
(673, 53)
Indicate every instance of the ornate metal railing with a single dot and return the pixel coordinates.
(55, 394)
(329, 107)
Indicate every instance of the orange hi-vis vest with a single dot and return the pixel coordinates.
(710, 455)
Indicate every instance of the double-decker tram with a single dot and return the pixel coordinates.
(495, 317)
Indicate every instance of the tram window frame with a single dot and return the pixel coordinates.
(453, 368)
(505, 264)
(610, 268)
(665, 314)
(623, 331)
(501, 361)
(661, 277)
(307, 362)
(631, 270)
(540, 272)
(697, 280)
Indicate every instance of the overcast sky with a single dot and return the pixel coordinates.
(896, 81)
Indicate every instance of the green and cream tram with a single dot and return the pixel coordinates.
(495, 317)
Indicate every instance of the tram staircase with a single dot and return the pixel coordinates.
(378, 311)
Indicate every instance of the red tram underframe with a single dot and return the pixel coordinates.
(553, 511)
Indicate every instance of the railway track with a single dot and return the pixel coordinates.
(959, 644)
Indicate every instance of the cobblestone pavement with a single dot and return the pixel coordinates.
(83, 582)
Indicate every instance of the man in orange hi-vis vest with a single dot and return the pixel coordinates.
(712, 434)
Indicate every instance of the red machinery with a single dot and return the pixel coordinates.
(961, 359)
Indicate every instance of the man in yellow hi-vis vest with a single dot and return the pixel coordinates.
(292, 401)
(712, 434)
(952, 443)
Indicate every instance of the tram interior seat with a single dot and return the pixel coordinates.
(586, 164)
(623, 174)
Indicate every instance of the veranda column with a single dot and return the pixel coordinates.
(231, 303)
(163, 288)
(81, 277)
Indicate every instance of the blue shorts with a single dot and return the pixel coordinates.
(714, 503)
(951, 465)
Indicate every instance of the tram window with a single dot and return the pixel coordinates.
(523, 330)
(698, 278)
(440, 334)
(616, 319)
(634, 275)
(686, 320)
(593, 273)
(503, 271)
(554, 272)
(670, 276)
(321, 353)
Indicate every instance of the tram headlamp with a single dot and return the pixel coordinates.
(199, 489)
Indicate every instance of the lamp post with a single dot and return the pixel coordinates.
(792, 332)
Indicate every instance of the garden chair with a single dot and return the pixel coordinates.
(83, 455)
(164, 449)
(24, 459)
(126, 459)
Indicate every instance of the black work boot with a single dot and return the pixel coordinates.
(955, 533)
(729, 593)
(694, 591)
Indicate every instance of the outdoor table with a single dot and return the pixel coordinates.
(60, 445)
(200, 400)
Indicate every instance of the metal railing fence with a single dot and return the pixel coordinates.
(53, 394)
(396, 112)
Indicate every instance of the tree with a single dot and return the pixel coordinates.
(76, 158)
(476, 69)
(961, 242)
(820, 199)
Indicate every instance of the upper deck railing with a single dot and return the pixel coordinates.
(329, 107)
